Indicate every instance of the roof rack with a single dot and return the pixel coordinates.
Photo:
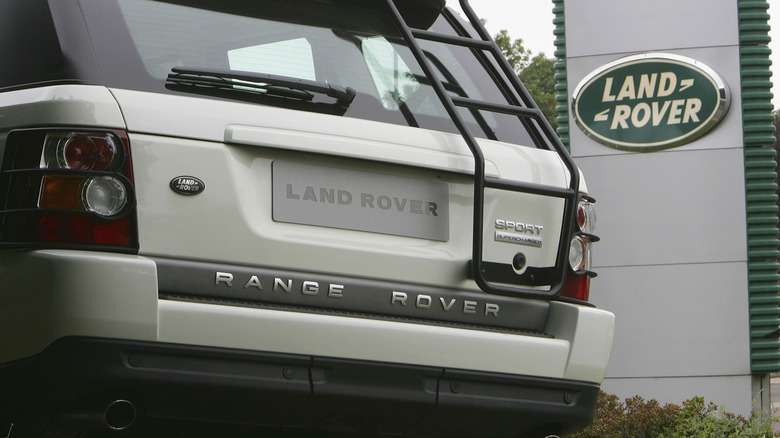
(488, 275)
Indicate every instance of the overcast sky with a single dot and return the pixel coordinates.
(531, 20)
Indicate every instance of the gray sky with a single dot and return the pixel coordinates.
(531, 20)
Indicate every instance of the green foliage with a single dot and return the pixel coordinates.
(633, 418)
(700, 419)
(539, 79)
(637, 418)
(537, 73)
(514, 51)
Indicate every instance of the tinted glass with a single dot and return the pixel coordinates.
(346, 43)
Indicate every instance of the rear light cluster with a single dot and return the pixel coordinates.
(577, 284)
(68, 188)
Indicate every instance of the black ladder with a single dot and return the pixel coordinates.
(527, 112)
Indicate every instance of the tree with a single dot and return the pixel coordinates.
(537, 73)
(514, 51)
(539, 79)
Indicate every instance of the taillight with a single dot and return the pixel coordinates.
(86, 151)
(68, 188)
(577, 284)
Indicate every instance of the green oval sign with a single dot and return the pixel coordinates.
(650, 102)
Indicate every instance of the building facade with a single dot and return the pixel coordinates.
(688, 257)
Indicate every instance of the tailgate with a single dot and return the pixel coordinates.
(301, 197)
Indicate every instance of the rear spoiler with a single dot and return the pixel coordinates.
(420, 14)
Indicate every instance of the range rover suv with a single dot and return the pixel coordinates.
(284, 218)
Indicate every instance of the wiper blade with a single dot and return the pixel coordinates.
(262, 83)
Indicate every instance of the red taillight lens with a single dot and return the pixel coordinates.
(67, 188)
(80, 153)
(577, 285)
(586, 215)
(79, 229)
(87, 151)
(581, 218)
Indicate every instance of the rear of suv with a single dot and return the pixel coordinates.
(260, 218)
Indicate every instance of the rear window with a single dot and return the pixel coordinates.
(345, 43)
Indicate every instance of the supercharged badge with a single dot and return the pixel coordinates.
(519, 233)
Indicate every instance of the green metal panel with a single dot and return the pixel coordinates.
(561, 87)
(760, 186)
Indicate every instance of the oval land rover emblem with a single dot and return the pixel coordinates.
(187, 185)
(650, 102)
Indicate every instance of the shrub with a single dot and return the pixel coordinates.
(637, 418)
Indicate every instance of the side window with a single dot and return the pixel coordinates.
(287, 58)
(393, 79)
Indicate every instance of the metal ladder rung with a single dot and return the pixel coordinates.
(532, 188)
(520, 105)
(497, 107)
(486, 46)
(450, 39)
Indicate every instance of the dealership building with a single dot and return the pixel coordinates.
(666, 107)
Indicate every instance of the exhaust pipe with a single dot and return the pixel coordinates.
(119, 415)
(75, 421)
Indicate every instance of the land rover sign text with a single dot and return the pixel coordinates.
(650, 102)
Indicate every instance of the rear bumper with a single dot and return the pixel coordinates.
(60, 293)
(63, 301)
(175, 387)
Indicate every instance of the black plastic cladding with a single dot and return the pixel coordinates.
(179, 389)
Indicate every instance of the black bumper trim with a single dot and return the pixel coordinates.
(334, 312)
(194, 391)
(225, 283)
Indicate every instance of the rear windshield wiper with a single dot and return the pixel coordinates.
(260, 83)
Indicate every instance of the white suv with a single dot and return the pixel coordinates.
(300, 217)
